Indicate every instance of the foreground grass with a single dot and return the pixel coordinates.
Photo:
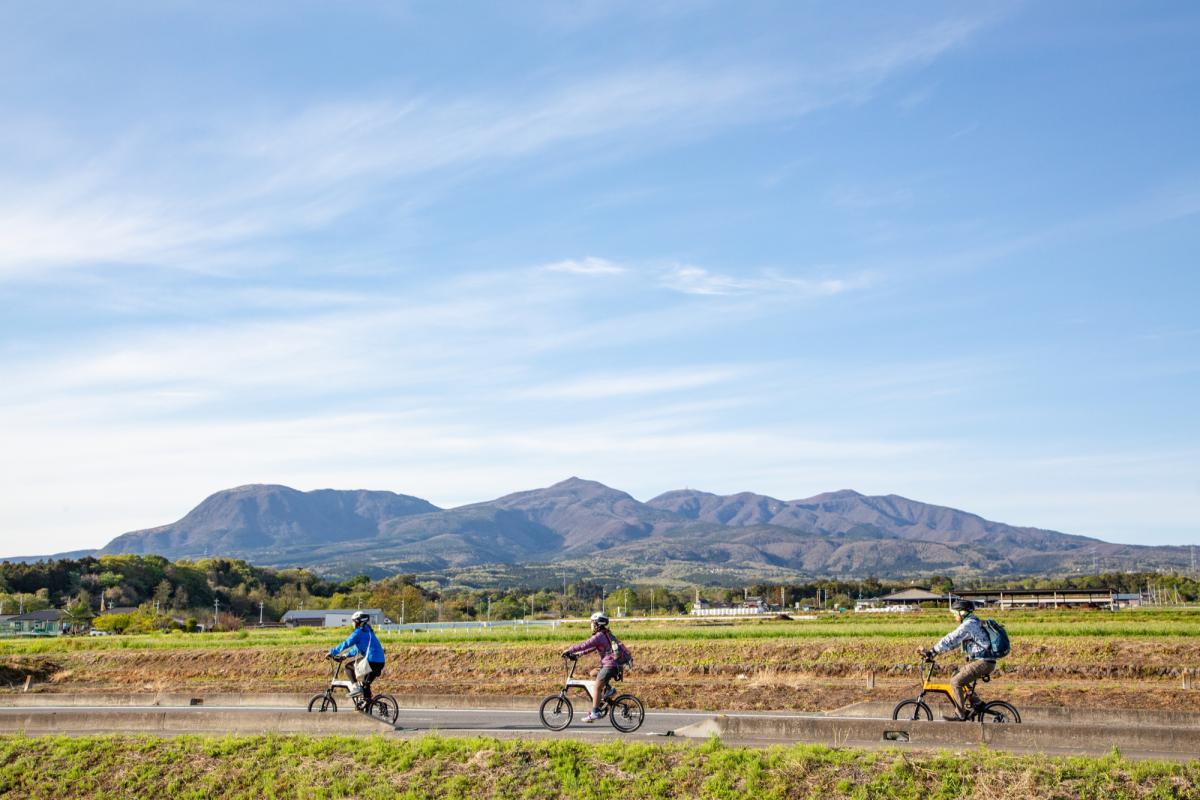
(929, 624)
(434, 767)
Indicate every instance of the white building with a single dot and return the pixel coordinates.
(329, 617)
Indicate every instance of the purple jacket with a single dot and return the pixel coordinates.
(601, 642)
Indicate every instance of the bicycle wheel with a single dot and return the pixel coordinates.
(322, 702)
(912, 709)
(391, 698)
(556, 712)
(384, 708)
(998, 711)
(626, 713)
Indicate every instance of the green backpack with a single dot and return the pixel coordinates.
(998, 646)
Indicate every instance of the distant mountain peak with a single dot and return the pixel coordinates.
(575, 482)
(835, 533)
(840, 494)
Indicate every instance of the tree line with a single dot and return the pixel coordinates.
(229, 593)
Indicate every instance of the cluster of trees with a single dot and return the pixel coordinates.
(230, 593)
(171, 592)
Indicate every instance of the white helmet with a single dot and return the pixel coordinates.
(600, 618)
(360, 618)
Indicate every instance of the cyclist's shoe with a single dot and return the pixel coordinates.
(609, 692)
(593, 716)
(954, 717)
(356, 690)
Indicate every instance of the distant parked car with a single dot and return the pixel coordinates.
(98, 632)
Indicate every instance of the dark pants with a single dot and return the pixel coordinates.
(972, 671)
(605, 675)
(376, 671)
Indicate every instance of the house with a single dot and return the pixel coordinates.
(329, 617)
(913, 597)
(46, 622)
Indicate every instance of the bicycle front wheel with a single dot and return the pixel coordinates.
(912, 710)
(626, 713)
(998, 711)
(322, 702)
(556, 712)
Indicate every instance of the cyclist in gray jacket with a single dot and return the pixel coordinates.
(975, 643)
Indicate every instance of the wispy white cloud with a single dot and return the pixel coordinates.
(586, 266)
(251, 180)
(691, 279)
(594, 387)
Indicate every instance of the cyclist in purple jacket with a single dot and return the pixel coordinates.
(606, 645)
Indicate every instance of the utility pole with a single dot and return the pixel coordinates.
(401, 610)
(489, 613)
(627, 602)
(216, 610)
(261, 605)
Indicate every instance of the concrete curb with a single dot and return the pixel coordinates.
(189, 721)
(1042, 737)
(1056, 715)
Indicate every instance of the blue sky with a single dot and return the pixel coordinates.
(458, 250)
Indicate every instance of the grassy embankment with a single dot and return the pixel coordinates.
(292, 766)
(1126, 659)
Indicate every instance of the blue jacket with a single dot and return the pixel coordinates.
(362, 640)
(971, 635)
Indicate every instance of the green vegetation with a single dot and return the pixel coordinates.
(181, 594)
(1150, 623)
(435, 767)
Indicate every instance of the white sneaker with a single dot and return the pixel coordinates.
(592, 717)
(355, 690)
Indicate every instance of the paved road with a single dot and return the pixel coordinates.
(738, 728)
(463, 721)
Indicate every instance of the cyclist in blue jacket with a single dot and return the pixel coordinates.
(362, 641)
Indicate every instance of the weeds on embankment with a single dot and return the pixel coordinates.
(276, 766)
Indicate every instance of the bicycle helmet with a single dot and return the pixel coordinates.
(965, 606)
(600, 618)
(360, 618)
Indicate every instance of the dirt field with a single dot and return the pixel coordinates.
(801, 674)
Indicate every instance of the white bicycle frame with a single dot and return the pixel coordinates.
(349, 664)
(589, 686)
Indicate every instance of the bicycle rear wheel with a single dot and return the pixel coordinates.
(912, 710)
(322, 702)
(998, 711)
(385, 708)
(556, 712)
(626, 713)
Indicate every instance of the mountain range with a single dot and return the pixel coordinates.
(583, 523)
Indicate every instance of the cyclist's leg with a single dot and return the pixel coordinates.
(376, 669)
(971, 671)
(602, 681)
